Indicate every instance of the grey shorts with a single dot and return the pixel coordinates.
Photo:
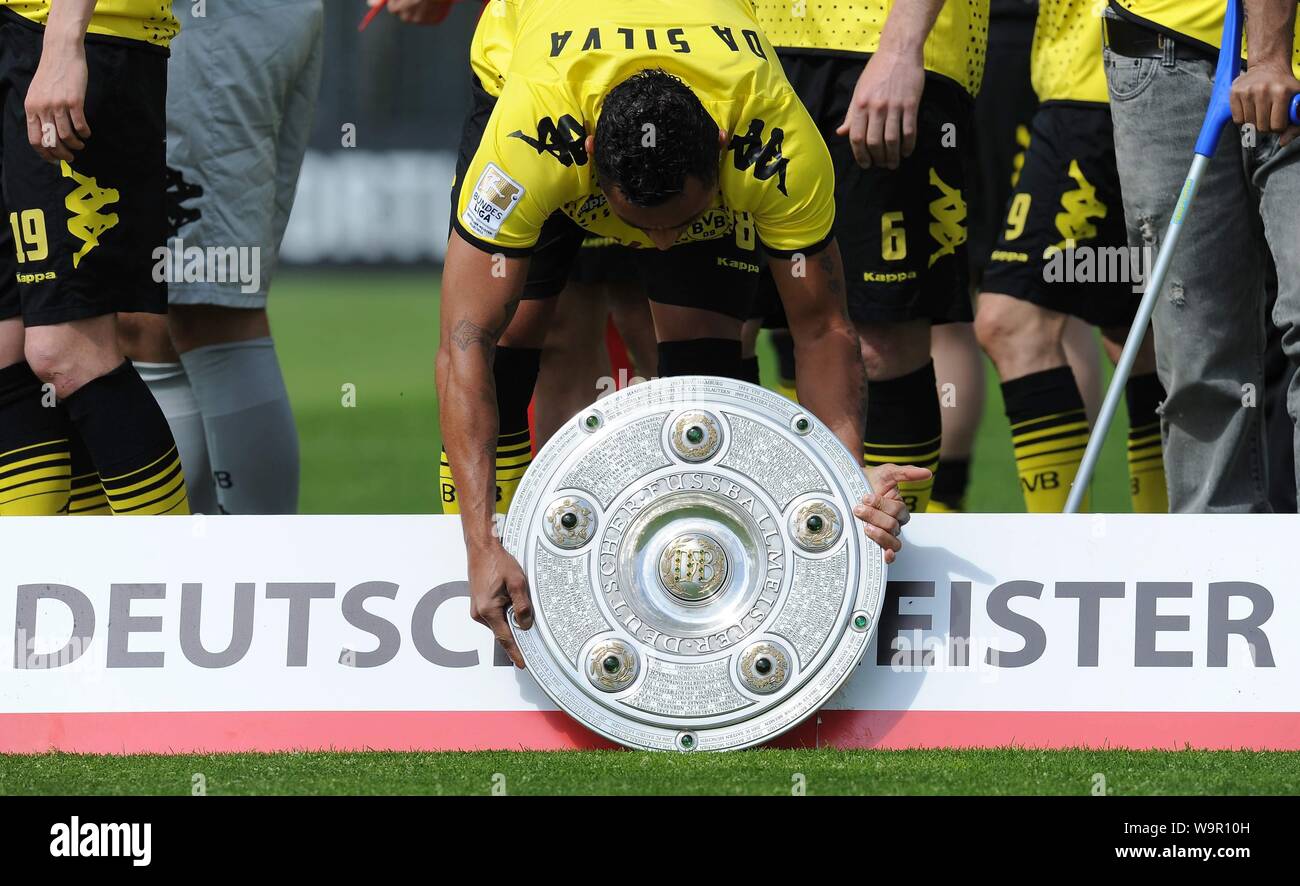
(241, 92)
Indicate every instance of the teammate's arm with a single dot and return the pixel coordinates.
(56, 99)
(832, 384)
(881, 120)
(1262, 95)
(417, 12)
(480, 293)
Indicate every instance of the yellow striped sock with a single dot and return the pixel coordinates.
(1048, 452)
(1146, 470)
(34, 480)
(156, 488)
(1146, 466)
(513, 456)
(87, 498)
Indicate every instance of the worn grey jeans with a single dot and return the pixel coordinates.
(1210, 321)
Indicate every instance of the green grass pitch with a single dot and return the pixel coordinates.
(379, 332)
(369, 338)
(771, 772)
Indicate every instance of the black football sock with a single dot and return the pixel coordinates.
(130, 444)
(35, 466)
(904, 428)
(701, 356)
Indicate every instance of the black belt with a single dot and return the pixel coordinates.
(1132, 40)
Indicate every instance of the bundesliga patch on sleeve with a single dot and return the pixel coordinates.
(493, 199)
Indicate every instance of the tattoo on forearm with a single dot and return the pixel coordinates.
(468, 334)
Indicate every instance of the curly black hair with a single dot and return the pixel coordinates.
(651, 165)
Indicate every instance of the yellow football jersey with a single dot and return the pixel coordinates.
(775, 175)
(1066, 62)
(1201, 20)
(150, 21)
(955, 49)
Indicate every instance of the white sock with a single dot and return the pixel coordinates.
(171, 388)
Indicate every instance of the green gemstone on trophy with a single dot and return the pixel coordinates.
(611, 664)
(763, 665)
(569, 520)
(801, 424)
(860, 622)
(688, 742)
(694, 434)
(592, 421)
(815, 523)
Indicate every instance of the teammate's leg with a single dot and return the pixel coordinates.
(1080, 343)
(124, 431)
(694, 341)
(631, 314)
(1049, 428)
(145, 338)
(783, 344)
(34, 431)
(575, 362)
(959, 373)
(1000, 129)
(904, 425)
(222, 331)
(1143, 394)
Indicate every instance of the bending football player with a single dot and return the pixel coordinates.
(670, 129)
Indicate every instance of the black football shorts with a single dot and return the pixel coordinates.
(902, 233)
(1064, 244)
(78, 240)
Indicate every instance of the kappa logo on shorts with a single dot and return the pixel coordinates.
(493, 199)
(1079, 207)
(86, 202)
(949, 213)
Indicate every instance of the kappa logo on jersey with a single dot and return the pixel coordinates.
(494, 197)
(749, 150)
(1080, 207)
(86, 202)
(565, 140)
(949, 213)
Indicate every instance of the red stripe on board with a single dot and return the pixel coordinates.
(224, 731)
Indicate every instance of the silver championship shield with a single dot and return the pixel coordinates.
(698, 577)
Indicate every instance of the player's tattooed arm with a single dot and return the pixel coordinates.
(881, 120)
(55, 105)
(832, 382)
(812, 292)
(478, 302)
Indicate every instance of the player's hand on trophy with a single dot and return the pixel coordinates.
(417, 12)
(56, 99)
(881, 120)
(497, 582)
(883, 511)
